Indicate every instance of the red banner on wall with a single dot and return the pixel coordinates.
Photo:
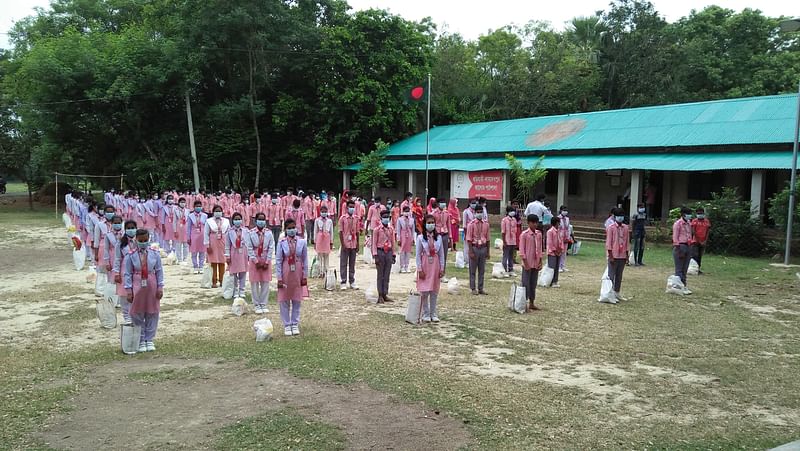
(488, 184)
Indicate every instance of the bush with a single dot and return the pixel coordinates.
(779, 211)
(734, 231)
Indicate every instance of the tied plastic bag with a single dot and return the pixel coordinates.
(239, 307)
(576, 247)
(497, 271)
(395, 267)
(460, 262)
(675, 286)
(227, 286)
(545, 276)
(517, 300)
(205, 282)
(371, 294)
(111, 294)
(79, 258)
(498, 243)
(631, 259)
(263, 329)
(106, 313)
(414, 309)
(330, 280)
(129, 336)
(694, 268)
(315, 268)
(100, 283)
(368, 255)
(67, 221)
(171, 259)
(607, 289)
(452, 286)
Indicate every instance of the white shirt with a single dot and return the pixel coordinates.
(535, 208)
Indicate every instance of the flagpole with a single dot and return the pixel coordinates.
(428, 139)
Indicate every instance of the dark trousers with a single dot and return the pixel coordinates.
(276, 232)
(680, 254)
(529, 278)
(347, 257)
(638, 248)
(310, 230)
(615, 268)
(477, 266)
(509, 252)
(383, 263)
(697, 253)
(552, 262)
(445, 248)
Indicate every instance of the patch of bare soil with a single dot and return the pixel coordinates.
(120, 412)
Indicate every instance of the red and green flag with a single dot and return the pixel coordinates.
(417, 93)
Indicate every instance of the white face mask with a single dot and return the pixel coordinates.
(512, 213)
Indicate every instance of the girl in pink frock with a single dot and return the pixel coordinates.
(195, 225)
(405, 237)
(323, 233)
(126, 245)
(291, 265)
(143, 278)
(430, 269)
(214, 241)
(236, 254)
(181, 244)
(260, 249)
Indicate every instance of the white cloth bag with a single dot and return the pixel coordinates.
(129, 336)
(460, 262)
(545, 276)
(106, 313)
(414, 309)
(205, 282)
(516, 299)
(330, 280)
(227, 286)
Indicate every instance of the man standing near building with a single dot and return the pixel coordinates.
(536, 207)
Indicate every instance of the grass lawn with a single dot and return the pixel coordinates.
(714, 370)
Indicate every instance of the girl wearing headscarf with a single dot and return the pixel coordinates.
(455, 217)
(432, 206)
(418, 213)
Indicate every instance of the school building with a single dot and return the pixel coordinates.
(668, 155)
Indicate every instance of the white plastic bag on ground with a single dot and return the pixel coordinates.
(607, 289)
(171, 259)
(694, 268)
(396, 267)
(517, 299)
(460, 262)
(263, 329)
(227, 286)
(498, 243)
(79, 258)
(371, 293)
(106, 313)
(330, 280)
(452, 286)
(67, 221)
(129, 336)
(631, 259)
(100, 283)
(675, 286)
(111, 294)
(315, 268)
(545, 276)
(576, 247)
(368, 256)
(239, 307)
(414, 309)
(497, 271)
(205, 282)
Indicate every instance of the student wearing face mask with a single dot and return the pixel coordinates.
(350, 228)
(555, 247)
(405, 238)
(455, 222)
(291, 264)
(275, 217)
(260, 250)
(127, 245)
(430, 268)
(181, 242)
(143, 278)
(310, 215)
(195, 225)
(638, 222)
(508, 231)
(530, 248)
(566, 237)
(108, 248)
(700, 229)
(214, 241)
(681, 236)
(323, 238)
(617, 248)
(151, 218)
(383, 252)
(296, 213)
(442, 217)
(169, 224)
(407, 201)
(478, 237)
(467, 217)
(236, 254)
(101, 228)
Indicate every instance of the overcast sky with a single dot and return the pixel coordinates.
(472, 18)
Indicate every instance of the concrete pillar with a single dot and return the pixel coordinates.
(506, 198)
(666, 196)
(563, 190)
(757, 193)
(637, 188)
(412, 182)
(345, 180)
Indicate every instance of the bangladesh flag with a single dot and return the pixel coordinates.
(417, 93)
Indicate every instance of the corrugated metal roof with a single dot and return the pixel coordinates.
(754, 120)
(655, 161)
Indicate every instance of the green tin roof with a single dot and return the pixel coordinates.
(757, 121)
(654, 161)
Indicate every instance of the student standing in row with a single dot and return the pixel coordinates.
(405, 238)
(127, 244)
(109, 246)
(530, 248)
(291, 263)
(144, 281)
(700, 229)
(467, 217)
(508, 231)
(638, 222)
(296, 213)
(617, 242)
(430, 268)
(383, 252)
(566, 238)
(442, 217)
(455, 218)
(349, 231)
(214, 241)
(681, 236)
(236, 255)
(275, 216)
(478, 238)
(323, 238)
(182, 240)
(195, 226)
(260, 249)
(555, 247)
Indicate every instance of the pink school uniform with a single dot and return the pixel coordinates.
(323, 241)
(430, 262)
(405, 236)
(236, 250)
(299, 219)
(291, 265)
(195, 224)
(142, 275)
(214, 238)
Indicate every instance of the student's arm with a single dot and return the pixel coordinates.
(228, 244)
(441, 256)
(279, 263)
(304, 262)
(419, 252)
(250, 246)
(269, 240)
(206, 232)
(127, 273)
(159, 272)
(675, 231)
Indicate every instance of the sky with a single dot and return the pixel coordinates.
(472, 18)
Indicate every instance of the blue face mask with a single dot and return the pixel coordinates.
(198, 209)
(430, 227)
(351, 210)
(130, 233)
(237, 222)
(109, 216)
(260, 223)
(324, 197)
(217, 214)
(142, 244)
(385, 221)
(701, 216)
(619, 218)
(116, 227)
(291, 232)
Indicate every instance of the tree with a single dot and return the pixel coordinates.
(525, 179)
(372, 173)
